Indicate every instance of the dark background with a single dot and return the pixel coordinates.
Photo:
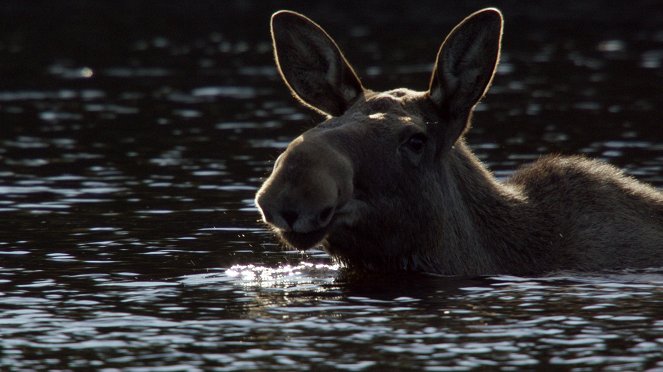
(102, 33)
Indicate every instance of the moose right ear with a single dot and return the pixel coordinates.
(465, 67)
(312, 65)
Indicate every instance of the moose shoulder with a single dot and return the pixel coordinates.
(387, 182)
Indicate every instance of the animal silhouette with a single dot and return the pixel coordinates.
(387, 182)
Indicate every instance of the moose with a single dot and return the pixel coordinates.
(388, 183)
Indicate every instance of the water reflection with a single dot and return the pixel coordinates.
(503, 321)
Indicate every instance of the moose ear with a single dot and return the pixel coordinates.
(312, 65)
(465, 67)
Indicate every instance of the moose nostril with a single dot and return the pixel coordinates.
(290, 217)
(325, 215)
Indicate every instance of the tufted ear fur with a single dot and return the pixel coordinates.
(312, 65)
(464, 69)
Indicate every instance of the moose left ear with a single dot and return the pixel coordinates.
(312, 65)
(465, 67)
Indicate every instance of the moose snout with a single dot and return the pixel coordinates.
(310, 183)
(298, 204)
(296, 220)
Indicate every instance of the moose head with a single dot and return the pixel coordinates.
(383, 177)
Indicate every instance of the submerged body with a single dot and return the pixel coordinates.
(387, 183)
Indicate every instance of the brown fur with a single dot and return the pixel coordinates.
(387, 183)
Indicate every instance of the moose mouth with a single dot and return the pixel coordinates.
(303, 241)
(344, 216)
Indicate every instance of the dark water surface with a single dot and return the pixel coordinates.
(133, 138)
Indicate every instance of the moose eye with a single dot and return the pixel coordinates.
(416, 143)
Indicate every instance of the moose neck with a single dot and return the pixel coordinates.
(486, 224)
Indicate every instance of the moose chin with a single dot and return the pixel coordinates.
(387, 182)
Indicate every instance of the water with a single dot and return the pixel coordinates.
(133, 138)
